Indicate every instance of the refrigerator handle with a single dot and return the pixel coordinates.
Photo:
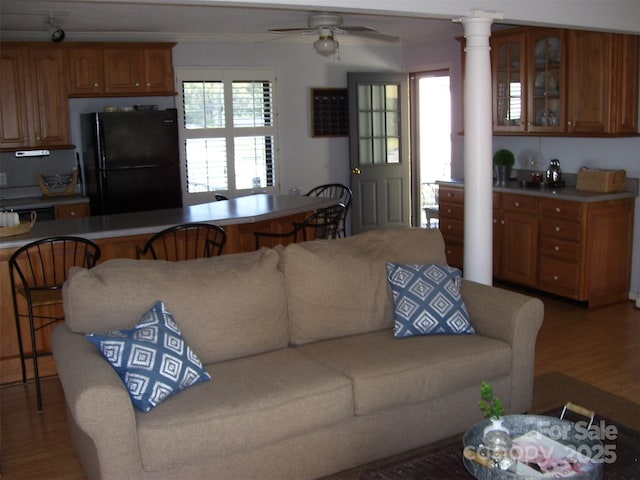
(102, 156)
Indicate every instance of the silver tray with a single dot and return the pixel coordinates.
(563, 431)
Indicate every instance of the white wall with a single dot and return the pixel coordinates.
(303, 161)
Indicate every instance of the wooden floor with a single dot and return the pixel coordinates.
(600, 347)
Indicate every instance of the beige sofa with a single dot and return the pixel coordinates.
(307, 377)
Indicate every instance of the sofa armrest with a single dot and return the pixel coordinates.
(99, 406)
(514, 318)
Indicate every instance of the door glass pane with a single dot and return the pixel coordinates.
(392, 124)
(378, 97)
(364, 97)
(509, 84)
(364, 124)
(366, 154)
(392, 97)
(378, 124)
(379, 150)
(393, 150)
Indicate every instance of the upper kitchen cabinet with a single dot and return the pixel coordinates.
(120, 70)
(603, 73)
(564, 82)
(509, 86)
(34, 106)
(547, 85)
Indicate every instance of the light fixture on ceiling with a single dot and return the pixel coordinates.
(326, 45)
(55, 32)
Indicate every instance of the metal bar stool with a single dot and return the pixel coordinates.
(339, 191)
(324, 223)
(185, 242)
(37, 272)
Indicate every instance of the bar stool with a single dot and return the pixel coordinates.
(187, 241)
(37, 272)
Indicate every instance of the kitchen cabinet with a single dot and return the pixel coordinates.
(86, 71)
(564, 82)
(451, 221)
(518, 232)
(35, 110)
(71, 210)
(576, 249)
(113, 69)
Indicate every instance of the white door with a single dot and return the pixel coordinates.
(379, 150)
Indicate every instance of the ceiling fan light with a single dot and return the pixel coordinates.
(326, 45)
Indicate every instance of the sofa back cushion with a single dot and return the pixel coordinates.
(226, 307)
(339, 287)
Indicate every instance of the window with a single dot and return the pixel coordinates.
(227, 133)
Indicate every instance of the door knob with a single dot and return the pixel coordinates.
(355, 171)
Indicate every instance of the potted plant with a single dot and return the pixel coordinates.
(491, 407)
(503, 160)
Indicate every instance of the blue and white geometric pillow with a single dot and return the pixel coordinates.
(152, 359)
(427, 300)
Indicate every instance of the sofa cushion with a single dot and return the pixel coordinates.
(152, 359)
(428, 300)
(228, 306)
(250, 402)
(339, 287)
(390, 373)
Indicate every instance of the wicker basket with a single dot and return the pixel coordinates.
(601, 180)
(24, 227)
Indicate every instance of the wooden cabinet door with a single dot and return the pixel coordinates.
(625, 90)
(123, 70)
(546, 80)
(86, 71)
(519, 256)
(49, 125)
(13, 111)
(509, 82)
(71, 210)
(589, 70)
(158, 70)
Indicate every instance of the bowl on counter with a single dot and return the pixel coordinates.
(59, 181)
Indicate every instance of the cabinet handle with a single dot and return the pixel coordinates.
(557, 229)
(96, 85)
(449, 210)
(501, 222)
(73, 214)
(555, 277)
(449, 194)
(517, 204)
(137, 84)
(148, 84)
(556, 248)
(557, 209)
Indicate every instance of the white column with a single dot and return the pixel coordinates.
(478, 164)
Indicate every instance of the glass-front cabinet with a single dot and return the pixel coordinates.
(509, 74)
(546, 75)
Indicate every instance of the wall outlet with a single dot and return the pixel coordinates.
(3, 178)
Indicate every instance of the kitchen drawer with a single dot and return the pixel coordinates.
(451, 210)
(520, 203)
(560, 229)
(559, 277)
(71, 210)
(453, 195)
(451, 228)
(563, 249)
(455, 253)
(552, 209)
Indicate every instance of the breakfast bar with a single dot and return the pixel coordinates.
(118, 235)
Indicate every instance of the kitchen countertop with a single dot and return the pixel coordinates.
(29, 203)
(567, 192)
(249, 209)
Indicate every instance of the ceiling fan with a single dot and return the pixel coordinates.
(326, 25)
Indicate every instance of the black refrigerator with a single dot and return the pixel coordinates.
(131, 161)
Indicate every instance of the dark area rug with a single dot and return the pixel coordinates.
(443, 460)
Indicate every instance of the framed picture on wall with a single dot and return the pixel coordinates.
(329, 112)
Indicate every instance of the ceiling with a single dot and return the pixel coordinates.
(106, 21)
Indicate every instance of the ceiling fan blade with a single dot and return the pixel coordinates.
(293, 30)
(369, 33)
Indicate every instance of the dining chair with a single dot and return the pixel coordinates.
(37, 272)
(187, 241)
(324, 223)
(339, 191)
